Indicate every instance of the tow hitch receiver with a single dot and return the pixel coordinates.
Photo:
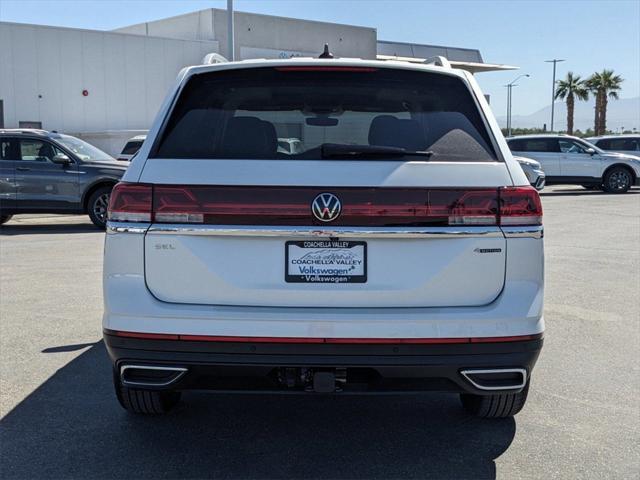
(318, 380)
(324, 382)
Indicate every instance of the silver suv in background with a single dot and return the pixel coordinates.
(572, 160)
(627, 144)
(49, 172)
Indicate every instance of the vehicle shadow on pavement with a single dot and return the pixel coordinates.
(72, 427)
(40, 229)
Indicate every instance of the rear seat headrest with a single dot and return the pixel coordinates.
(249, 136)
(390, 131)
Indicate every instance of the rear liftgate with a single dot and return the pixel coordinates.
(265, 246)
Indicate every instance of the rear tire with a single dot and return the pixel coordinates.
(97, 206)
(495, 406)
(5, 218)
(145, 402)
(617, 180)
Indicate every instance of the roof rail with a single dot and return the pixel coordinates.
(213, 58)
(33, 131)
(439, 61)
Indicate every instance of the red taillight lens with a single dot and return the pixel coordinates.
(520, 206)
(229, 205)
(473, 207)
(375, 207)
(130, 202)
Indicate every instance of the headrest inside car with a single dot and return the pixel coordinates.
(249, 136)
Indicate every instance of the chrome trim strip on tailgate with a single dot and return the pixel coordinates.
(534, 231)
(311, 231)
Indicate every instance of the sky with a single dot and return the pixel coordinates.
(589, 35)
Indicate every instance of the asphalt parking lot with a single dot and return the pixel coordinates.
(60, 418)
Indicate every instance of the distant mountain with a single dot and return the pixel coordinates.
(620, 113)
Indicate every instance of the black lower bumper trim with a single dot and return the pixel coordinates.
(361, 368)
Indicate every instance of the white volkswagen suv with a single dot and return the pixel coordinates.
(399, 249)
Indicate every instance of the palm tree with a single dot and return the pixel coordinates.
(605, 85)
(569, 89)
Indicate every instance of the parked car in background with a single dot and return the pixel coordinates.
(399, 251)
(627, 144)
(572, 160)
(49, 172)
(131, 148)
(533, 171)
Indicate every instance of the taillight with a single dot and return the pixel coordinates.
(374, 207)
(473, 207)
(130, 202)
(520, 206)
(257, 205)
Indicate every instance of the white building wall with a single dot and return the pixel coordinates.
(43, 71)
(271, 34)
(189, 26)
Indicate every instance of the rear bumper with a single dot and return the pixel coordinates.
(248, 366)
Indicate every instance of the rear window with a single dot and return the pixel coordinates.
(534, 145)
(305, 112)
(621, 144)
(8, 149)
(515, 145)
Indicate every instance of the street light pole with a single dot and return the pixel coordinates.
(510, 99)
(230, 30)
(508, 106)
(511, 85)
(553, 87)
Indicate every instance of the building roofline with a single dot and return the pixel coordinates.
(248, 13)
(109, 32)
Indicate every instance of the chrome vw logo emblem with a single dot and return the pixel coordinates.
(326, 207)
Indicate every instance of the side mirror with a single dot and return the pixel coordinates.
(61, 159)
(590, 151)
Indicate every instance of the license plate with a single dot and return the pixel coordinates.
(325, 261)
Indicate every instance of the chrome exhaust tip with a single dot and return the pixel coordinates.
(150, 375)
(493, 379)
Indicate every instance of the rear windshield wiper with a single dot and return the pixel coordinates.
(337, 150)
